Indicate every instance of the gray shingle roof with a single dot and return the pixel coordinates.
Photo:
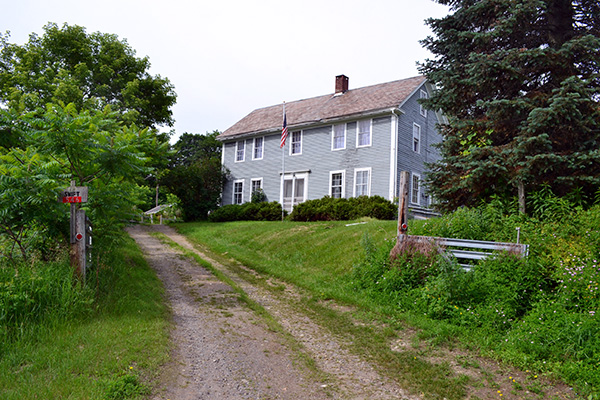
(369, 99)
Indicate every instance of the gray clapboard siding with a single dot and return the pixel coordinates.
(318, 157)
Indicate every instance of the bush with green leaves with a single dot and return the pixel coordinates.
(265, 211)
(539, 312)
(342, 209)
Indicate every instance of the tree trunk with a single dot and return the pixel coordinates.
(157, 195)
(521, 191)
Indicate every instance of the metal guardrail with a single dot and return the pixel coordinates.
(474, 250)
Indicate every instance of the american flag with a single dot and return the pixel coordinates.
(284, 131)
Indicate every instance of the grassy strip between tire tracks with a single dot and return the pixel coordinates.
(271, 323)
(371, 341)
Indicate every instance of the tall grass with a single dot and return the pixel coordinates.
(31, 293)
(101, 341)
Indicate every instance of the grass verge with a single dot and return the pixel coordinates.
(111, 353)
(323, 258)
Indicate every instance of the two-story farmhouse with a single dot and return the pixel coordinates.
(349, 143)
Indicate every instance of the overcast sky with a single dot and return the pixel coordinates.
(229, 57)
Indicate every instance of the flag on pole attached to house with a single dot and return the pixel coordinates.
(284, 130)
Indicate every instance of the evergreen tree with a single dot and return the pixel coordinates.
(520, 84)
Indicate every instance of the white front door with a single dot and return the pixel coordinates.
(294, 190)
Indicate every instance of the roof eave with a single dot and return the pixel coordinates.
(314, 124)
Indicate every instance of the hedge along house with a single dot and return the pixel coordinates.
(346, 144)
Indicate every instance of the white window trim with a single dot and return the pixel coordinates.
(252, 183)
(233, 191)
(412, 181)
(331, 173)
(356, 171)
(237, 148)
(393, 158)
(262, 153)
(370, 134)
(418, 129)
(333, 137)
(422, 110)
(292, 143)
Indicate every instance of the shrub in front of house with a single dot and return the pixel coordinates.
(330, 209)
(247, 212)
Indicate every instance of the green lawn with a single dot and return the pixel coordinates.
(312, 255)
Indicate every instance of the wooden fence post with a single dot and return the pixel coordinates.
(78, 242)
(403, 206)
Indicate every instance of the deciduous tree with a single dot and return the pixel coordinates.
(196, 175)
(61, 145)
(91, 71)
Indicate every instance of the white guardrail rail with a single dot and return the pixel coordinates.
(465, 249)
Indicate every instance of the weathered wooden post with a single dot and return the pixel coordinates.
(402, 214)
(403, 205)
(78, 245)
(75, 195)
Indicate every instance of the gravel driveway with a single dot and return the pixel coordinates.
(223, 350)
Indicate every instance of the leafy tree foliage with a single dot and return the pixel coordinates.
(520, 84)
(28, 183)
(93, 149)
(196, 175)
(75, 107)
(91, 71)
(191, 148)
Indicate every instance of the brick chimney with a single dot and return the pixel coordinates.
(341, 84)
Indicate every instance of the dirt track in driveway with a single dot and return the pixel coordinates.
(223, 350)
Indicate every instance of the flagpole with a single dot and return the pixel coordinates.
(283, 165)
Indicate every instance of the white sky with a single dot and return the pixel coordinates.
(229, 57)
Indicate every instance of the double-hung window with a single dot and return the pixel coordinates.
(336, 184)
(238, 191)
(240, 151)
(363, 133)
(423, 110)
(257, 153)
(415, 189)
(256, 185)
(256, 190)
(296, 146)
(338, 140)
(416, 138)
(362, 182)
